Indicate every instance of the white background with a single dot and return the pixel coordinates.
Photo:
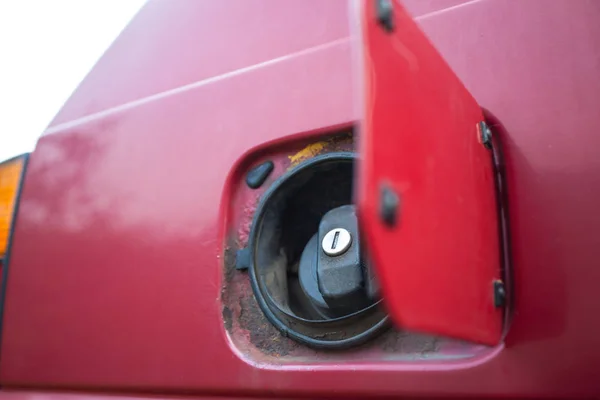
(46, 48)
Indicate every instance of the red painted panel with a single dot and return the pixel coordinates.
(116, 263)
(178, 42)
(147, 179)
(30, 395)
(419, 139)
(420, 8)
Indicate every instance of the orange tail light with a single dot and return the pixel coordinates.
(11, 173)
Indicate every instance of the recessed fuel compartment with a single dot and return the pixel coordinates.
(270, 312)
(307, 268)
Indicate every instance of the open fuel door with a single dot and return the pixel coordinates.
(426, 191)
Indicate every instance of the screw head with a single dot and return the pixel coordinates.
(499, 293)
(336, 242)
(389, 202)
(485, 135)
(385, 14)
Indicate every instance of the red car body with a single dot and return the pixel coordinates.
(133, 194)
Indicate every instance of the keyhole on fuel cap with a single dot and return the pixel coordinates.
(336, 242)
(336, 236)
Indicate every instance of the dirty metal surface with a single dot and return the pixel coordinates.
(252, 335)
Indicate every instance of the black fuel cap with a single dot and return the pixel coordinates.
(339, 270)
